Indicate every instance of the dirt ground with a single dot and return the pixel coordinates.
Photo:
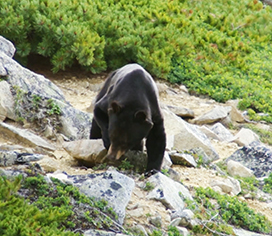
(80, 89)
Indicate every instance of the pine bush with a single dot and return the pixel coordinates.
(219, 48)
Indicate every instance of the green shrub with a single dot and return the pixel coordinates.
(219, 48)
(268, 184)
(49, 209)
(233, 211)
(148, 186)
(19, 218)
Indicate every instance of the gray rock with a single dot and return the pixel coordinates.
(201, 155)
(10, 174)
(237, 169)
(90, 151)
(245, 137)
(96, 232)
(27, 86)
(6, 102)
(170, 138)
(7, 47)
(25, 136)
(75, 124)
(186, 136)
(156, 221)
(175, 222)
(174, 175)
(8, 158)
(62, 176)
(216, 114)
(168, 191)
(228, 185)
(28, 157)
(235, 114)
(112, 186)
(208, 132)
(242, 232)
(223, 133)
(187, 219)
(7, 147)
(3, 72)
(183, 159)
(256, 157)
(182, 111)
(28, 81)
(166, 162)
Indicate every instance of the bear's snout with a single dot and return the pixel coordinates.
(115, 154)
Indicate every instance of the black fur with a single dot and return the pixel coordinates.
(127, 111)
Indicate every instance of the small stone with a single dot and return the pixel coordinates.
(175, 222)
(237, 169)
(245, 136)
(216, 114)
(90, 151)
(156, 221)
(182, 112)
(183, 159)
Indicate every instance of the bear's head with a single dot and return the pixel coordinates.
(127, 128)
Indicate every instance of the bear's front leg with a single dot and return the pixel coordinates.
(95, 131)
(102, 120)
(155, 145)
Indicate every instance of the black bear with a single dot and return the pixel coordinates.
(126, 111)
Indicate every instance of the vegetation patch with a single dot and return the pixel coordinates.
(148, 186)
(268, 184)
(36, 109)
(218, 48)
(36, 207)
(265, 135)
(249, 185)
(216, 212)
(18, 217)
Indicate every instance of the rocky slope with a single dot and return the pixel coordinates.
(79, 89)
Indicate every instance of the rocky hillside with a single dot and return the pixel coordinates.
(46, 118)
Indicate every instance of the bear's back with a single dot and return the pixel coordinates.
(130, 68)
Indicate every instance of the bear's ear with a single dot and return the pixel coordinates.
(115, 107)
(140, 116)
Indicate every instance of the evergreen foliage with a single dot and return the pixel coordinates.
(227, 209)
(268, 184)
(219, 48)
(18, 218)
(32, 206)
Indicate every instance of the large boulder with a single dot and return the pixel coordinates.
(245, 136)
(37, 100)
(7, 47)
(26, 137)
(256, 157)
(183, 136)
(171, 193)
(111, 185)
(6, 102)
(216, 114)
